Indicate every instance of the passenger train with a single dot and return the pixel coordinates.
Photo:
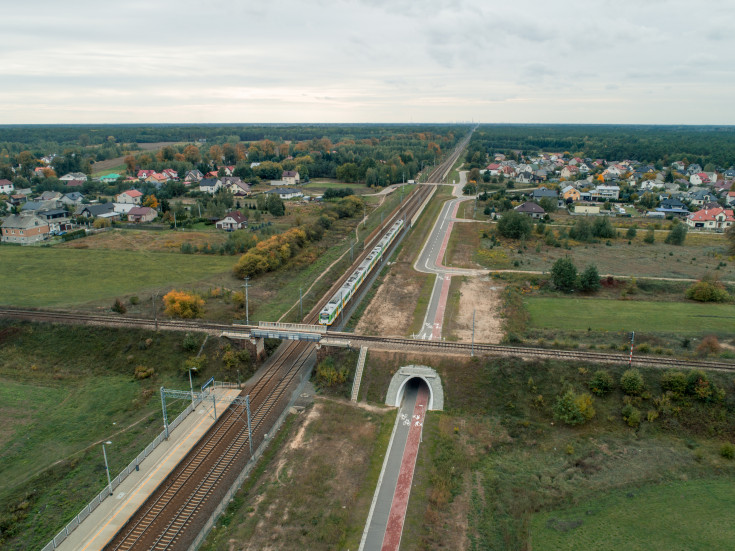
(337, 303)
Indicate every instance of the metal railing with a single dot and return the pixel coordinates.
(107, 491)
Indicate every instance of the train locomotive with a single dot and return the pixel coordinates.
(343, 295)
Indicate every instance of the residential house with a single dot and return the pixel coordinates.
(24, 229)
(97, 210)
(530, 209)
(17, 199)
(145, 174)
(109, 178)
(157, 179)
(210, 185)
(524, 178)
(286, 193)
(75, 183)
(142, 214)
(604, 193)
(493, 169)
(729, 173)
(236, 186)
(6, 186)
(569, 172)
(80, 176)
(123, 208)
(672, 203)
(72, 198)
(131, 196)
(50, 196)
(57, 219)
(693, 168)
(193, 176)
(170, 173)
(679, 166)
(699, 179)
(570, 192)
(232, 221)
(540, 193)
(718, 219)
(290, 177)
(701, 196)
(34, 206)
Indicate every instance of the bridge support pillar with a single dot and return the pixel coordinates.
(259, 348)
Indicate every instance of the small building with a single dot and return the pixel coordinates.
(232, 221)
(540, 193)
(530, 209)
(286, 193)
(72, 198)
(570, 192)
(142, 214)
(96, 210)
(718, 219)
(131, 196)
(74, 176)
(604, 193)
(145, 174)
(109, 178)
(24, 229)
(290, 177)
(6, 186)
(193, 176)
(210, 185)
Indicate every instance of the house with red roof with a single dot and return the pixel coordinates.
(131, 197)
(145, 174)
(170, 173)
(699, 179)
(730, 198)
(232, 221)
(718, 219)
(493, 169)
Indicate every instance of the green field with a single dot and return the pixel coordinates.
(579, 314)
(695, 514)
(61, 277)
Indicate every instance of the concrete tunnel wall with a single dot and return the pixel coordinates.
(405, 374)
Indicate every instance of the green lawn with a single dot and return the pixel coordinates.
(618, 315)
(695, 514)
(62, 277)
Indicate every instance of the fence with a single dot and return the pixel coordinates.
(107, 491)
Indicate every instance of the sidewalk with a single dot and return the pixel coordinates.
(112, 514)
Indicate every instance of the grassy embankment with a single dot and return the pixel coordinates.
(496, 465)
(65, 389)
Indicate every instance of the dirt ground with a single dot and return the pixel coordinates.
(313, 493)
(145, 240)
(483, 296)
(390, 313)
(117, 161)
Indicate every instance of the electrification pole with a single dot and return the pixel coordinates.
(301, 304)
(472, 353)
(107, 468)
(247, 305)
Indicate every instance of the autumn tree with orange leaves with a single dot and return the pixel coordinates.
(180, 304)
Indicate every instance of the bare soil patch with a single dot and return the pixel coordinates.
(390, 313)
(145, 240)
(483, 297)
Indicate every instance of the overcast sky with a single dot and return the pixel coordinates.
(617, 61)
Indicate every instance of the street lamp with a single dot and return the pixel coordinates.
(107, 468)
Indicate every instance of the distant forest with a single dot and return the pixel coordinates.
(657, 145)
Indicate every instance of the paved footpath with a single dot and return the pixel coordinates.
(388, 510)
(112, 514)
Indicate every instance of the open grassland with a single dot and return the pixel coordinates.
(314, 486)
(63, 391)
(701, 253)
(64, 277)
(320, 185)
(581, 314)
(463, 245)
(146, 240)
(674, 515)
(498, 457)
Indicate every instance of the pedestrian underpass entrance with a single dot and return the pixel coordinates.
(398, 386)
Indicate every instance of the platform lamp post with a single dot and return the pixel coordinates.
(191, 389)
(107, 468)
(247, 305)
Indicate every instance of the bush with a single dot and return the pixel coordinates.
(589, 280)
(328, 375)
(631, 415)
(631, 382)
(674, 382)
(180, 304)
(574, 409)
(581, 231)
(603, 229)
(631, 233)
(142, 372)
(677, 235)
(564, 275)
(602, 383)
(727, 451)
(707, 291)
(134, 300)
(650, 236)
(195, 364)
(709, 345)
(118, 307)
(515, 225)
(191, 343)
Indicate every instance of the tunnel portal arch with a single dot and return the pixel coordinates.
(408, 372)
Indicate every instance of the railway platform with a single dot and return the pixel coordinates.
(106, 520)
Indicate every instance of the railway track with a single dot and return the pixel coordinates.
(177, 511)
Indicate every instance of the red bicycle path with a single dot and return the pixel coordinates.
(397, 515)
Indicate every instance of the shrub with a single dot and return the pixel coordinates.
(564, 275)
(674, 382)
(118, 307)
(709, 345)
(727, 451)
(515, 225)
(589, 279)
(101, 223)
(142, 372)
(603, 229)
(328, 375)
(707, 291)
(650, 236)
(195, 364)
(631, 233)
(134, 300)
(574, 409)
(631, 415)
(191, 343)
(677, 235)
(180, 304)
(602, 383)
(581, 231)
(631, 382)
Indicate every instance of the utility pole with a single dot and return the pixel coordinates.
(364, 216)
(107, 468)
(163, 406)
(191, 389)
(472, 353)
(174, 219)
(301, 304)
(632, 341)
(154, 300)
(351, 253)
(247, 305)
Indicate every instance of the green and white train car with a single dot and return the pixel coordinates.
(343, 295)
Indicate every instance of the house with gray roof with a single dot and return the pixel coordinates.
(24, 229)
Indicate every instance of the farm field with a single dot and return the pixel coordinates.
(675, 515)
(701, 253)
(63, 277)
(63, 391)
(581, 314)
(117, 164)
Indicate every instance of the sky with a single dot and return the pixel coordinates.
(299, 61)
